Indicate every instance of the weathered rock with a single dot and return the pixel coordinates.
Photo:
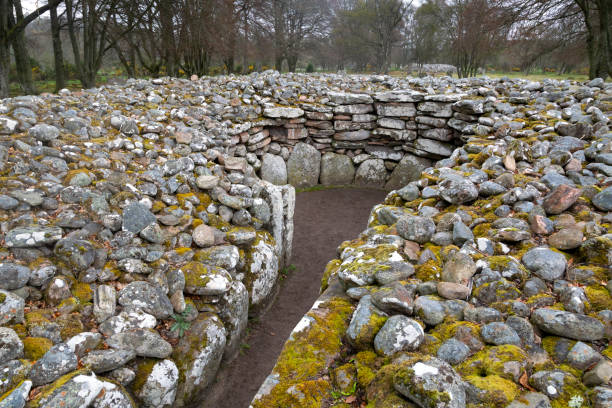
(59, 360)
(304, 166)
(458, 190)
(158, 389)
(459, 269)
(142, 342)
(11, 346)
(430, 382)
(198, 355)
(562, 198)
(273, 169)
(399, 333)
(136, 217)
(336, 169)
(371, 173)
(365, 323)
(13, 276)
(566, 324)
(148, 297)
(546, 264)
(31, 237)
(417, 229)
(408, 169)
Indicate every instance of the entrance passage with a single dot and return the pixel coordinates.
(323, 219)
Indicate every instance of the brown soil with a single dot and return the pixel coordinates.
(323, 219)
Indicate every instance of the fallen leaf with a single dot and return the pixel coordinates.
(350, 399)
(525, 382)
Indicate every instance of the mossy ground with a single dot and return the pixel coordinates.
(305, 359)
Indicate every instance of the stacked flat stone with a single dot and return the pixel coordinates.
(486, 281)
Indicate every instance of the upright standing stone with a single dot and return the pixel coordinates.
(304, 166)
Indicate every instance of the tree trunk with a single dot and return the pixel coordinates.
(60, 77)
(278, 63)
(5, 66)
(129, 67)
(22, 58)
(167, 34)
(73, 39)
(604, 49)
(292, 62)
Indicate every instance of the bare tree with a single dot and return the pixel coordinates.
(292, 24)
(58, 54)
(427, 34)
(101, 27)
(12, 25)
(375, 24)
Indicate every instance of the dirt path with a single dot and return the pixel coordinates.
(323, 219)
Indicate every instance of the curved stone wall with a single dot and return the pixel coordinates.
(383, 140)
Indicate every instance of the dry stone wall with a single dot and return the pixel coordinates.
(382, 140)
(142, 223)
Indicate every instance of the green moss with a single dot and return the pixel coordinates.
(557, 346)
(608, 351)
(330, 269)
(491, 361)
(380, 391)
(196, 273)
(20, 329)
(448, 328)
(36, 317)
(499, 263)
(143, 370)
(219, 223)
(70, 325)
(497, 391)
(595, 250)
(599, 297)
(36, 347)
(157, 206)
(481, 230)
(83, 292)
(305, 358)
(429, 271)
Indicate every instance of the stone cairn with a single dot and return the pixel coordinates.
(143, 223)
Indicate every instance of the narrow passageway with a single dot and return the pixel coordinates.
(323, 219)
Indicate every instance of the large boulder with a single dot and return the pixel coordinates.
(198, 356)
(371, 173)
(261, 269)
(304, 166)
(409, 169)
(273, 169)
(336, 169)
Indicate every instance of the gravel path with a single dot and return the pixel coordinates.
(323, 219)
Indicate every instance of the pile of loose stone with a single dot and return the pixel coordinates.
(134, 247)
(143, 223)
(485, 282)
